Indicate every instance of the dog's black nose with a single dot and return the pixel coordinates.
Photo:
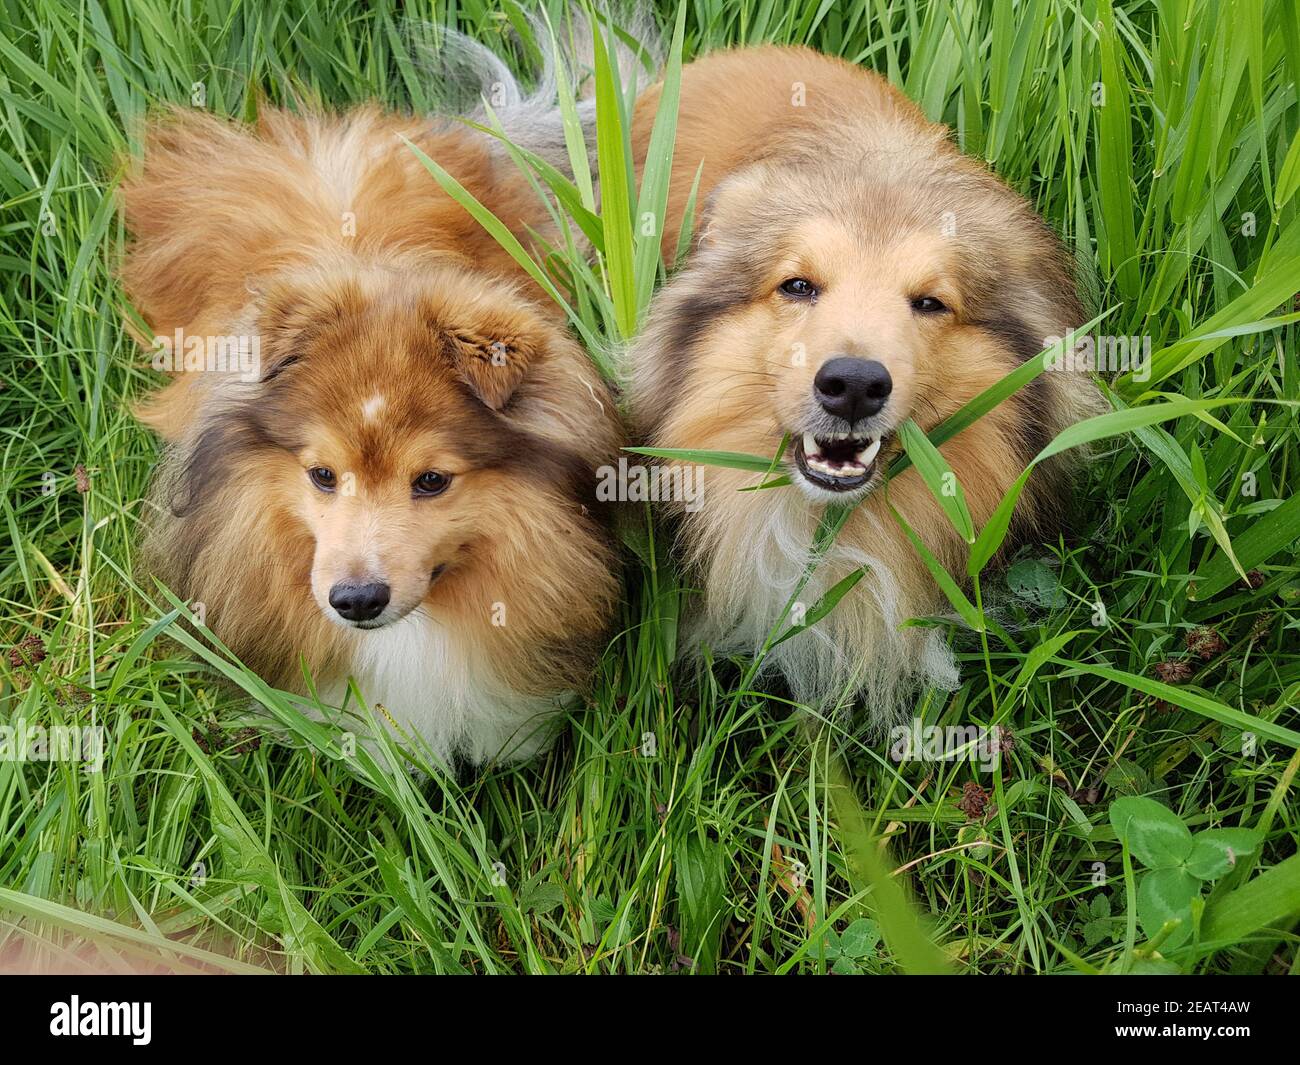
(852, 388)
(359, 602)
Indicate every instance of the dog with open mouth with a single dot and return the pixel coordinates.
(385, 473)
(850, 269)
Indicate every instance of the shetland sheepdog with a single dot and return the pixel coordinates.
(850, 269)
(389, 478)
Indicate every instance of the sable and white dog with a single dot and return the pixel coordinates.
(390, 475)
(851, 269)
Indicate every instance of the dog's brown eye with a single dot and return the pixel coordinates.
(430, 483)
(928, 305)
(799, 287)
(323, 478)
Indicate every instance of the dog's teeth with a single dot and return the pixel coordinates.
(868, 454)
(831, 465)
(845, 472)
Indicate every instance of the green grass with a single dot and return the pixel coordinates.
(691, 817)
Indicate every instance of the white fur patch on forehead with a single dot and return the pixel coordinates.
(371, 408)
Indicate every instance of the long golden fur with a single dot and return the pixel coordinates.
(395, 339)
(815, 169)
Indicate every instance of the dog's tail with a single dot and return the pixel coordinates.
(471, 79)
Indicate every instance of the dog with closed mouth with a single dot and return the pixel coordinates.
(401, 493)
(850, 269)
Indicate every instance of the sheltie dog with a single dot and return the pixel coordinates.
(386, 470)
(851, 269)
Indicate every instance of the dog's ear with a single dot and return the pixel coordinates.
(731, 205)
(289, 315)
(491, 365)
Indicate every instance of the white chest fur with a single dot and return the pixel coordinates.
(435, 689)
(861, 650)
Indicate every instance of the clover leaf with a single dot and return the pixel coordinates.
(1177, 862)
